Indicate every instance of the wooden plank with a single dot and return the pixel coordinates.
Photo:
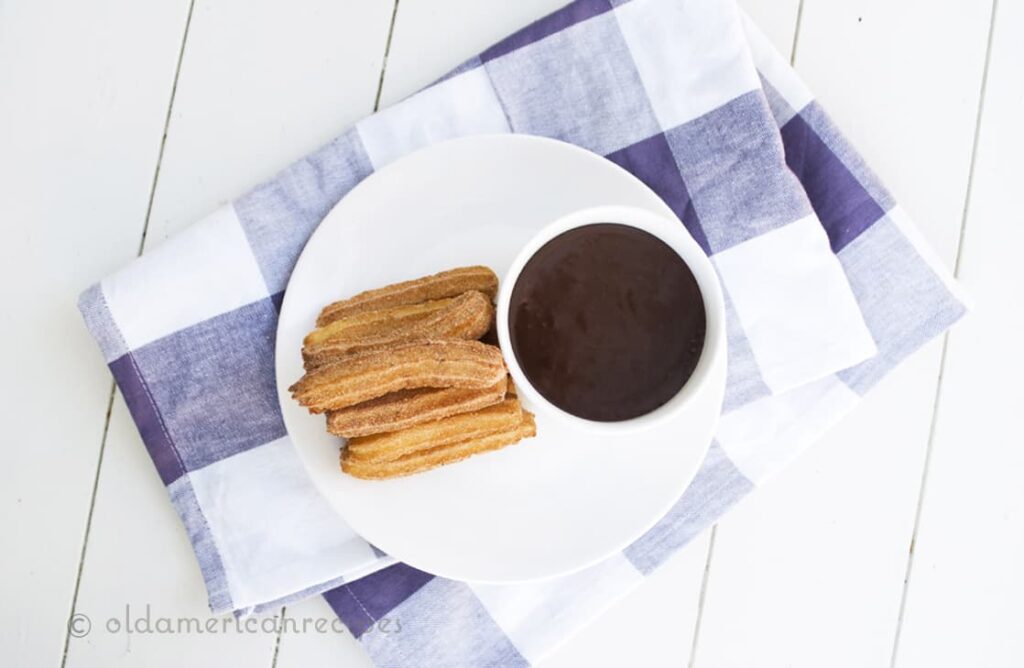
(810, 570)
(965, 589)
(80, 128)
(261, 84)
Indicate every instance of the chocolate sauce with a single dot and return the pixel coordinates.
(607, 322)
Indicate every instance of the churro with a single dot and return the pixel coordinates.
(467, 316)
(424, 460)
(439, 286)
(428, 435)
(406, 408)
(370, 323)
(400, 375)
(363, 376)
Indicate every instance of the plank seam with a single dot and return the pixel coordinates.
(167, 126)
(701, 597)
(387, 51)
(277, 640)
(88, 523)
(796, 33)
(922, 489)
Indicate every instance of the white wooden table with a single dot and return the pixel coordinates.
(123, 121)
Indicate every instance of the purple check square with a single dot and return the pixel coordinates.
(578, 85)
(213, 386)
(844, 207)
(361, 603)
(734, 168)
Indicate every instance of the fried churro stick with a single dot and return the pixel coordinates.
(376, 322)
(364, 376)
(467, 316)
(386, 447)
(424, 460)
(445, 284)
(404, 409)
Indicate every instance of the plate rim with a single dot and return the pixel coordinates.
(716, 384)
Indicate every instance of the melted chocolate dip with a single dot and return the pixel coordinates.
(607, 322)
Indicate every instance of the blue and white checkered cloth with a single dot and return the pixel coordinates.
(828, 287)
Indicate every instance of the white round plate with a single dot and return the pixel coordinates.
(549, 505)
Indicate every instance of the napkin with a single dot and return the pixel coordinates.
(828, 286)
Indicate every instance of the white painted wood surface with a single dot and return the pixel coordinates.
(965, 582)
(808, 571)
(80, 129)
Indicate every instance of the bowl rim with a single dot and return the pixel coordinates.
(673, 233)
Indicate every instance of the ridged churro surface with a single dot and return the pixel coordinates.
(444, 284)
(376, 322)
(424, 460)
(428, 435)
(363, 376)
(465, 317)
(404, 409)
(401, 376)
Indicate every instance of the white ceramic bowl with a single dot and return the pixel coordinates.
(672, 232)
